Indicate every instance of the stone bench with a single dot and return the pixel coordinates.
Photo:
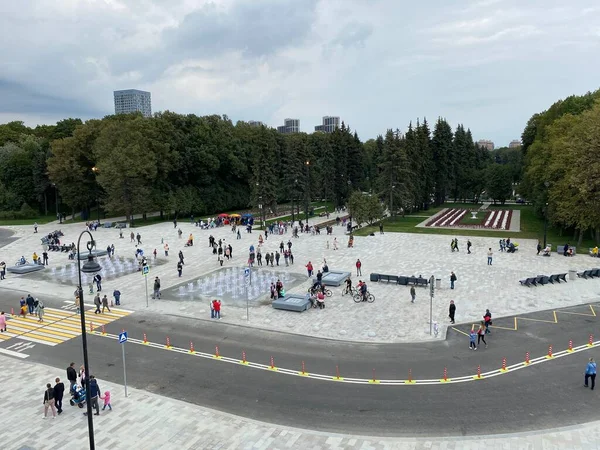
(334, 278)
(561, 250)
(25, 268)
(292, 302)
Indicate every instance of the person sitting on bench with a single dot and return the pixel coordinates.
(547, 251)
(594, 252)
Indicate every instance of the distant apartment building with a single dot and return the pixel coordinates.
(330, 124)
(514, 143)
(132, 100)
(256, 123)
(488, 145)
(289, 126)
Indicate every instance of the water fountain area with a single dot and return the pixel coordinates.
(112, 268)
(228, 284)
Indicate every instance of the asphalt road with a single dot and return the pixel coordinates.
(543, 396)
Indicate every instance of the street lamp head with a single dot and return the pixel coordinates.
(95, 169)
(91, 266)
(308, 163)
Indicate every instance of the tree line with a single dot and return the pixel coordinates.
(185, 164)
(561, 151)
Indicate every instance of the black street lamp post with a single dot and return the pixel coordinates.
(547, 184)
(307, 188)
(95, 170)
(56, 201)
(90, 267)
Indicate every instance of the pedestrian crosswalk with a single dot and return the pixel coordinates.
(58, 325)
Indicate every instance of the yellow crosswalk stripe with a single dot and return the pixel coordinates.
(58, 325)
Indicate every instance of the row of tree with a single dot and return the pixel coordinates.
(561, 148)
(201, 165)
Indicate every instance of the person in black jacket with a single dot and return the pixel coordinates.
(49, 401)
(452, 311)
(94, 394)
(59, 390)
(72, 374)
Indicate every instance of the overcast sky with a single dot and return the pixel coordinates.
(378, 64)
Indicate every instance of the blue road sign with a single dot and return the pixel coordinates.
(246, 272)
(145, 270)
(123, 337)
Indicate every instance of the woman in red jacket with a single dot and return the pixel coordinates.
(217, 309)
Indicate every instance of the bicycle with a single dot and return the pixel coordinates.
(359, 298)
(352, 293)
(326, 291)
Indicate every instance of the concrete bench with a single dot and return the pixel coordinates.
(292, 302)
(561, 250)
(25, 268)
(95, 253)
(334, 277)
(528, 282)
(388, 278)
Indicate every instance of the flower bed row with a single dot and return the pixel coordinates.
(498, 219)
(448, 219)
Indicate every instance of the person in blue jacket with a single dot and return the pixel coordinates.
(590, 372)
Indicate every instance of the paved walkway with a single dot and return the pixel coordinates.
(392, 317)
(149, 421)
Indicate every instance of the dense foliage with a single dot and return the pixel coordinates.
(562, 160)
(184, 164)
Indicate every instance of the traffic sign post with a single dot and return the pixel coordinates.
(248, 281)
(122, 340)
(431, 294)
(145, 272)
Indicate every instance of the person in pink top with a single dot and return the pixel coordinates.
(2, 322)
(106, 399)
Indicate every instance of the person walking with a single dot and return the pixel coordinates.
(166, 247)
(156, 288)
(469, 247)
(590, 372)
(2, 322)
(335, 244)
(117, 296)
(40, 309)
(380, 228)
(45, 257)
(138, 237)
(413, 294)
(490, 254)
(106, 399)
(94, 394)
(105, 304)
(98, 281)
(181, 257)
(59, 390)
(472, 338)
(49, 401)
(309, 269)
(451, 311)
(487, 320)
(98, 303)
(217, 308)
(179, 268)
(277, 256)
(2, 270)
(82, 375)
(30, 304)
(72, 374)
(452, 279)
(358, 266)
(481, 334)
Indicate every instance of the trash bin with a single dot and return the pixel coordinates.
(438, 283)
(572, 274)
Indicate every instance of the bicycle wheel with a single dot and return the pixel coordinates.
(370, 298)
(328, 293)
(357, 298)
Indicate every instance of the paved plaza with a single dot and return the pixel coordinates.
(149, 421)
(391, 318)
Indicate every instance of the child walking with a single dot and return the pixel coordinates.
(472, 337)
(106, 399)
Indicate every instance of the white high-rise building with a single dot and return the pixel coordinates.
(514, 143)
(290, 126)
(330, 124)
(132, 100)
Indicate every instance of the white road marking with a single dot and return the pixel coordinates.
(11, 353)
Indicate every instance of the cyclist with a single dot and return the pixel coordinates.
(348, 286)
(362, 288)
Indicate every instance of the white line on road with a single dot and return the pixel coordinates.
(11, 353)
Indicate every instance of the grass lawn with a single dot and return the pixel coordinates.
(532, 227)
(40, 220)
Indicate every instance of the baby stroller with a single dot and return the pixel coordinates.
(77, 396)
